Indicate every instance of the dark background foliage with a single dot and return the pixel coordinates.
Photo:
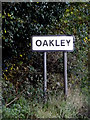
(22, 68)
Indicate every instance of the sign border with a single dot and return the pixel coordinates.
(52, 50)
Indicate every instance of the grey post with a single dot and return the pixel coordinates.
(45, 77)
(65, 73)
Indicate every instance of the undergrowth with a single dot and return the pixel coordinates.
(75, 106)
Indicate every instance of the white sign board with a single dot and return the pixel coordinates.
(52, 43)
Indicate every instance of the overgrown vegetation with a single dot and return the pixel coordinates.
(23, 69)
(74, 107)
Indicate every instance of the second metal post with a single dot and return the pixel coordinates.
(65, 74)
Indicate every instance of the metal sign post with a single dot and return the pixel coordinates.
(45, 77)
(65, 74)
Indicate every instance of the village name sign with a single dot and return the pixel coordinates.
(53, 43)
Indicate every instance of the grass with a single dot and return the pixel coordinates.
(60, 108)
(75, 106)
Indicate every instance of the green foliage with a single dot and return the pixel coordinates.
(20, 24)
(8, 92)
(74, 107)
(19, 110)
(23, 69)
(18, 29)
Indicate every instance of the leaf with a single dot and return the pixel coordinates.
(6, 40)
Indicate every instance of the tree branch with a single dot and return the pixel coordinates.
(14, 99)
